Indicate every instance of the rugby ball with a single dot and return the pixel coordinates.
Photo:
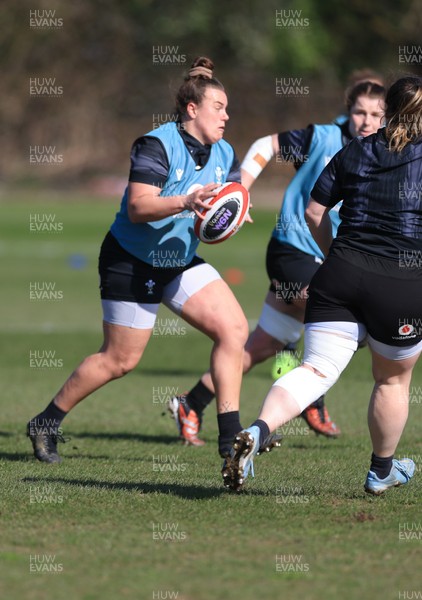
(225, 217)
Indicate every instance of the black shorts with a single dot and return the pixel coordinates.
(289, 269)
(125, 277)
(387, 299)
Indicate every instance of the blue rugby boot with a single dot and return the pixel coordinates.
(237, 466)
(401, 472)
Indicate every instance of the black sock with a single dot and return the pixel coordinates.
(49, 420)
(381, 466)
(229, 424)
(264, 430)
(199, 397)
(319, 403)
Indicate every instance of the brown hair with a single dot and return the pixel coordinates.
(363, 88)
(404, 112)
(199, 77)
(365, 74)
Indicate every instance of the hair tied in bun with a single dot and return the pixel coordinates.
(200, 71)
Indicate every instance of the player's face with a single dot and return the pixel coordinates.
(366, 116)
(209, 118)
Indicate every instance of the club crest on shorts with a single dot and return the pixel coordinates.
(150, 286)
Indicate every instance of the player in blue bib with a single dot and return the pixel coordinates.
(293, 256)
(370, 285)
(149, 257)
(171, 236)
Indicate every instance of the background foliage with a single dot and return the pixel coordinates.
(102, 57)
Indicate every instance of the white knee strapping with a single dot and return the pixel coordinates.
(326, 351)
(304, 385)
(282, 327)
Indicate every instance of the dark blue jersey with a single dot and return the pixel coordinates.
(294, 145)
(382, 196)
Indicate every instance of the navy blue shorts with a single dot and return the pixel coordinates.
(357, 287)
(288, 266)
(125, 277)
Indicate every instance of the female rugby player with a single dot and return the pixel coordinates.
(292, 254)
(369, 286)
(149, 256)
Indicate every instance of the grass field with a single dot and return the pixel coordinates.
(131, 513)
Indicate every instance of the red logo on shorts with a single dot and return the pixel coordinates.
(406, 329)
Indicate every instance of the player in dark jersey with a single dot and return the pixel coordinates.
(149, 256)
(369, 285)
(293, 256)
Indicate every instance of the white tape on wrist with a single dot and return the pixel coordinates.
(258, 155)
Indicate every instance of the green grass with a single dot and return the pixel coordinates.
(94, 515)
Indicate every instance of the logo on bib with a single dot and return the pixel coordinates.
(219, 175)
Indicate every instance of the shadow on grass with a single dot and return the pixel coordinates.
(188, 492)
(15, 456)
(309, 448)
(107, 457)
(6, 434)
(73, 456)
(123, 435)
(29, 457)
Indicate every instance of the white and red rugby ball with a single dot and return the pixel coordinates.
(226, 216)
